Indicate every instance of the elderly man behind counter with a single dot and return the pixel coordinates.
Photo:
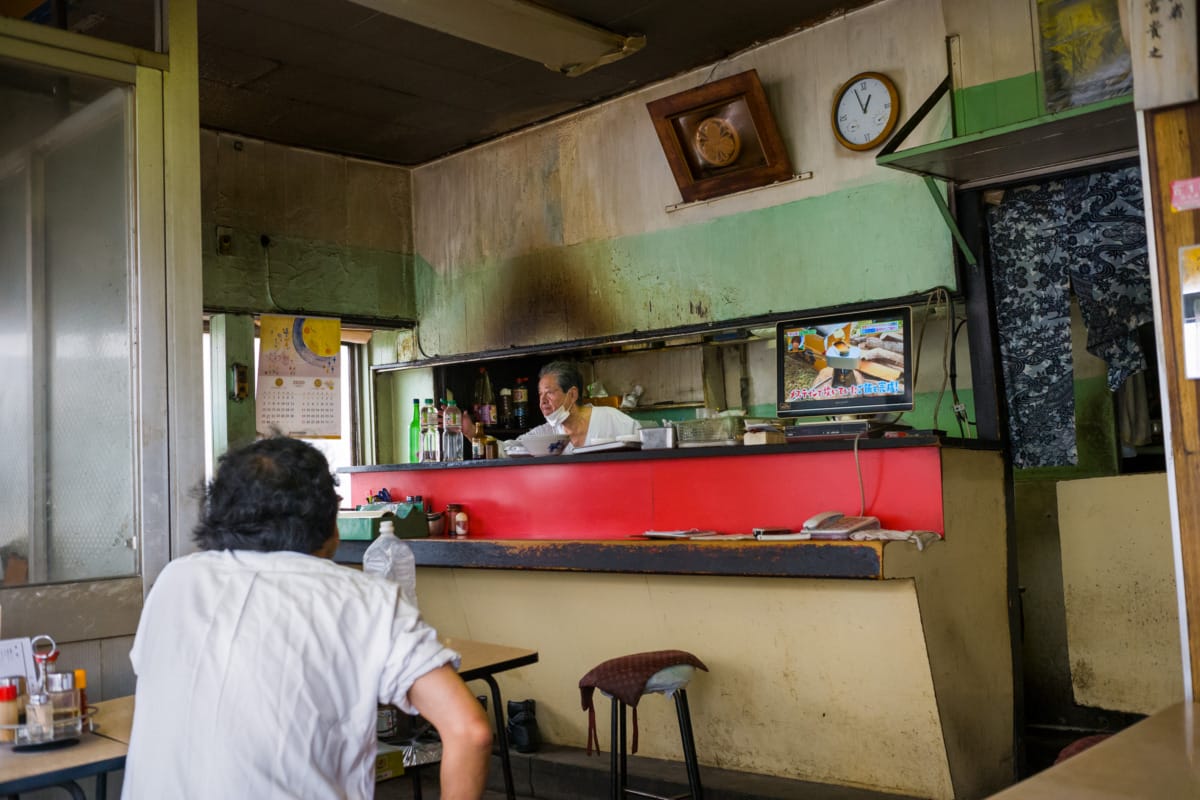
(260, 662)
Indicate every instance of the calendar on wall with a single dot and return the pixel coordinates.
(299, 371)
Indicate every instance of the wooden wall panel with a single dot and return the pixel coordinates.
(1173, 153)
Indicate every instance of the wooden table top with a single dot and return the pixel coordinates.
(114, 718)
(30, 769)
(1157, 757)
(485, 658)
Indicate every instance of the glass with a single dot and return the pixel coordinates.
(130, 22)
(68, 479)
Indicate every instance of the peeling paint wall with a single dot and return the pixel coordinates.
(339, 231)
(1119, 590)
(562, 231)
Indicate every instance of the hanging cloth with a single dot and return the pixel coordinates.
(1087, 233)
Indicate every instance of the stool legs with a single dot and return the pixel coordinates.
(689, 744)
(619, 773)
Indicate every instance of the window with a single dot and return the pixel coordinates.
(69, 495)
(339, 452)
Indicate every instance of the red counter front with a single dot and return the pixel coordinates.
(614, 497)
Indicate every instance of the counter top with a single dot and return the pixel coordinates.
(795, 559)
(816, 446)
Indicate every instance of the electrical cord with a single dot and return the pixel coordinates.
(960, 410)
(862, 495)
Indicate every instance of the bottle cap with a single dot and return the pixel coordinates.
(60, 681)
(81, 678)
(386, 527)
(14, 680)
(8, 693)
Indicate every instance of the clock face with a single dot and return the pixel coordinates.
(717, 142)
(865, 111)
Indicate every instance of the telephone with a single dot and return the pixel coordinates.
(837, 522)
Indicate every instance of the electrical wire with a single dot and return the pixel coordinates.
(862, 495)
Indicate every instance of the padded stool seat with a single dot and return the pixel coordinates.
(626, 680)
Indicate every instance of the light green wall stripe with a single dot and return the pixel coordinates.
(871, 242)
(306, 275)
(995, 104)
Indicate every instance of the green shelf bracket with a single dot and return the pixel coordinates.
(950, 221)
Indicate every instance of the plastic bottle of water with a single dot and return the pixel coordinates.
(431, 444)
(452, 440)
(393, 559)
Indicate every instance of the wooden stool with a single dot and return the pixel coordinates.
(626, 680)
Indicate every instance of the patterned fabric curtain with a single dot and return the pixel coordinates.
(1087, 234)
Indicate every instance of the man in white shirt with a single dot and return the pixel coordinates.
(260, 662)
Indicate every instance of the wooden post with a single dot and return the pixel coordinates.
(1172, 154)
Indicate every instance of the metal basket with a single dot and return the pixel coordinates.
(714, 430)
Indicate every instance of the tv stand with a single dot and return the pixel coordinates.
(840, 429)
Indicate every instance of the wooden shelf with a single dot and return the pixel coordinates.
(1091, 134)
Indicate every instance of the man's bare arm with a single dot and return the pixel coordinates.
(443, 699)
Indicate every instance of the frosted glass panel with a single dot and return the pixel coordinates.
(67, 506)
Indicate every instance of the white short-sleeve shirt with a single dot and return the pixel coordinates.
(259, 676)
(605, 425)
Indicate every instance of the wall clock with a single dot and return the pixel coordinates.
(720, 137)
(865, 110)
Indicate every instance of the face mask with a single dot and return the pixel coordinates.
(558, 416)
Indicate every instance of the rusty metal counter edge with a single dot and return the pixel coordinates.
(798, 559)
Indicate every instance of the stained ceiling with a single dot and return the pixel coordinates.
(339, 77)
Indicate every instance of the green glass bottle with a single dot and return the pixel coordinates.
(414, 433)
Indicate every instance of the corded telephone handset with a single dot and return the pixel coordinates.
(837, 522)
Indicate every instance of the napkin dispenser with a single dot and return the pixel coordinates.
(408, 521)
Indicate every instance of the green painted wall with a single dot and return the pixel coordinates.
(998, 103)
(874, 241)
(294, 274)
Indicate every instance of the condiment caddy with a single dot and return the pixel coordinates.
(47, 709)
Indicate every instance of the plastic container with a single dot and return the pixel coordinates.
(431, 437)
(9, 714)
(81, 685)
(392, 558)
(452, 439)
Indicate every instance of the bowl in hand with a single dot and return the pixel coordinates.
(545, 444)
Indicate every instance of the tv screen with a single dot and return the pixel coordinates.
(850, 363)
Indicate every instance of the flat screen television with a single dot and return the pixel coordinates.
(857, 362)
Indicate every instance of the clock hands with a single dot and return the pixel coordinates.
(862, 106)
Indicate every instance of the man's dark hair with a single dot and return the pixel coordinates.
(273, 494)
(565, 374)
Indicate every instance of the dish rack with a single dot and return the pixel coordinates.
(709, 432)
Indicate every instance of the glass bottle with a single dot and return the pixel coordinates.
(452, 439)
(479, 443)
(521, 403)
(39, 716)
(506, 408)
(431, 445)
(414, 432)
(485, 399)
(64, 702)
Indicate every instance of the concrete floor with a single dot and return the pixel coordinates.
(566, 773)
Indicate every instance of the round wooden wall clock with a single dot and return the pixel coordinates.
(717, 142)
(865, 110)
